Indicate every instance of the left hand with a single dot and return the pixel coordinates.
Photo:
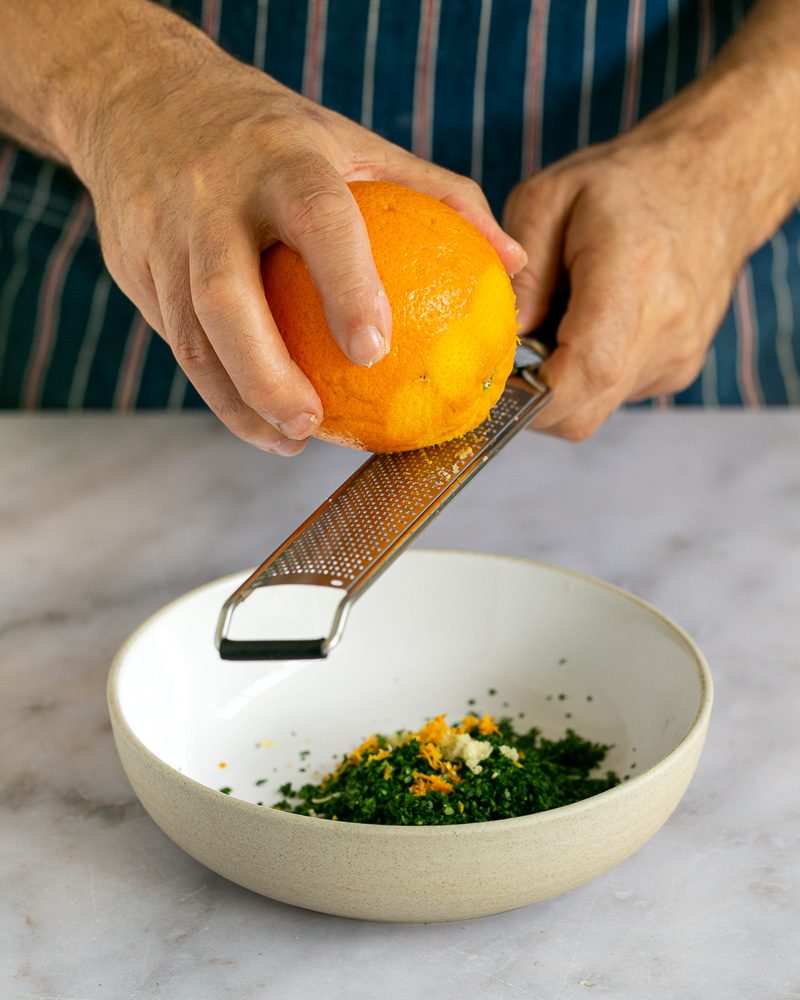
(649, 234)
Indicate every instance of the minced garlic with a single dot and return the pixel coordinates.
(435, 775)
(462, 746)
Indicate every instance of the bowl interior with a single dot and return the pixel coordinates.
(440, 632)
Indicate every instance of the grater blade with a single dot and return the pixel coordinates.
(356, 533)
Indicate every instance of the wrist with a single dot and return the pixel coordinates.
(132, 66)
(737, 134)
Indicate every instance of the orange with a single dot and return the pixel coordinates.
(453, 335)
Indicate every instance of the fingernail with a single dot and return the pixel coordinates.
(367, 346)
(519, 250)
(288, 448)
(299, 427)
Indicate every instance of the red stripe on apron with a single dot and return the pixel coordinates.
(479, 91)
(130, 375)
(370, 48)
(747, 353)
(210, 18)
(705, 40)
(631, 94)
(315, 49)
(50, 301)
(425, 79)
(534, 87)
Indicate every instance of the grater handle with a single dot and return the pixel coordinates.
(273, 649)
(311, 648)
(436, 475)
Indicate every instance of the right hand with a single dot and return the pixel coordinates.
(195, 168)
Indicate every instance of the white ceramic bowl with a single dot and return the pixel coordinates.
(438, 629)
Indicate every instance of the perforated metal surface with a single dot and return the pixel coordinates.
(386, 497)
(370, 519)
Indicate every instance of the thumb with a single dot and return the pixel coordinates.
(536, 215)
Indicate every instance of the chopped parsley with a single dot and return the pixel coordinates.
(478, 770)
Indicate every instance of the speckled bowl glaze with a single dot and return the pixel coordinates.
(438, 629)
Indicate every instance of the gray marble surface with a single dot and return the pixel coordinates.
(105, 518)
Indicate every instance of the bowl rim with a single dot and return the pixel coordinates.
(346, 828)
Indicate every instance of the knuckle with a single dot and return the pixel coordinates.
(263, 394)
(217, 294)
(232, 413)
(238, 421)
(603, 366)
(231, 409)
(149, 309)
(679, 308)
(527, 283)
(114, 257)
(355, 298)
(276, 133)
(579, 428)
(190, 351)
(516, 205)
(685, 356)
(685, 374)
(519, 192)
(320, 209)
(471, 189)
(527, 193)
(128, 268)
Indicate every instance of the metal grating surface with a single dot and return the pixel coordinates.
(388, 493)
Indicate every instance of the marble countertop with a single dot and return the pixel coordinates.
(105, 518)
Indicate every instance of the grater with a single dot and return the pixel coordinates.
(360, 529)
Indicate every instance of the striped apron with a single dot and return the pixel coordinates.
(494, 89)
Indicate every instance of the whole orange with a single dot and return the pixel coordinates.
(453, 334)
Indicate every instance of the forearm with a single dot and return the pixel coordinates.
(64, 63)
(742, 117)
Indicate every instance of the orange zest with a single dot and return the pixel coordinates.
(433, 731)
(424, 783)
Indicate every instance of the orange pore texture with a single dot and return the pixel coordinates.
(453, 335)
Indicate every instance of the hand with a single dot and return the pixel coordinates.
(197, 166)
(649, 235)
